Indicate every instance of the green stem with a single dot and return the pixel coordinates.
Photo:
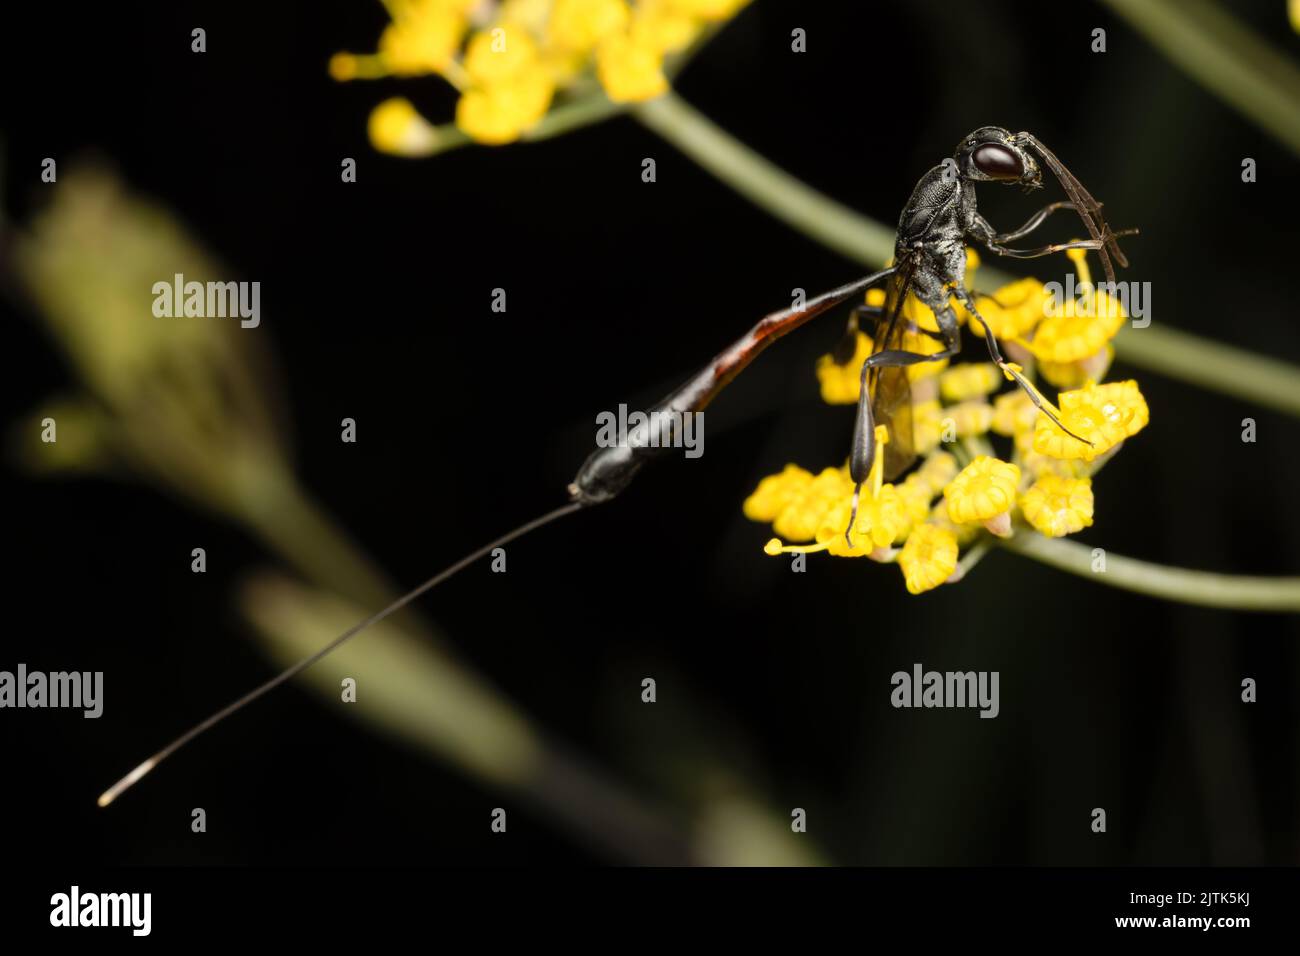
(973, 556)
(1231, 371)
(1225, 57)
(1205, 588)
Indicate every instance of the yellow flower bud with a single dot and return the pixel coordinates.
(500, 54)
(576, 26)
(1058, 506)
(630, 71)
(775, 492)
(982, 490)
(928, 558)
(424, 40)
(504, 111)
(800, 519)
(396, 127)
(882, 520)
(662, 26)
(1102, 414)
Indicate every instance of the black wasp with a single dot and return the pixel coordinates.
(938, 222)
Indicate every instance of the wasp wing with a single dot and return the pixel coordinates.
(891, 391)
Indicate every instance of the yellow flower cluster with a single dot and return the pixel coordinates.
(510, 59)
(1047, 483)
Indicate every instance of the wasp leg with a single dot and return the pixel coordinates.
(847, 345)
(1034, 221)
(975, 293)
(996, 354)
(877, 312)
(1101, 243)
(862, 455)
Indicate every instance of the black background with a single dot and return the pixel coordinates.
(376, 301)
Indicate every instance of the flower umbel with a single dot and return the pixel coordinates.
(511, 60)
(1043, 485)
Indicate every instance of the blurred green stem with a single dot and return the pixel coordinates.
(1264, 381)
(1225, 57)
(294, 527)
(584, 111)
(766, 185)
(1157, 580)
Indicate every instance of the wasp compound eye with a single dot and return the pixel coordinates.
(997, 162)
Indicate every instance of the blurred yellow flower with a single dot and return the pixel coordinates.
(969, 380)
(1074, 374)
(629, 70)
(803, 514)
(937, 470)
(970, 418)
(501, 112)
(927, 425)
(775, 492)
(663, 26)
(509, 60)
(709, 9)
(840, 384)
(1014, 310)
(424, 38)
(396, 127)
(925, 345)
(1013, 413)
(916, 494)
(963, 533)
(576, 26)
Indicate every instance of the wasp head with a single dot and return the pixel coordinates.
(992, 153)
